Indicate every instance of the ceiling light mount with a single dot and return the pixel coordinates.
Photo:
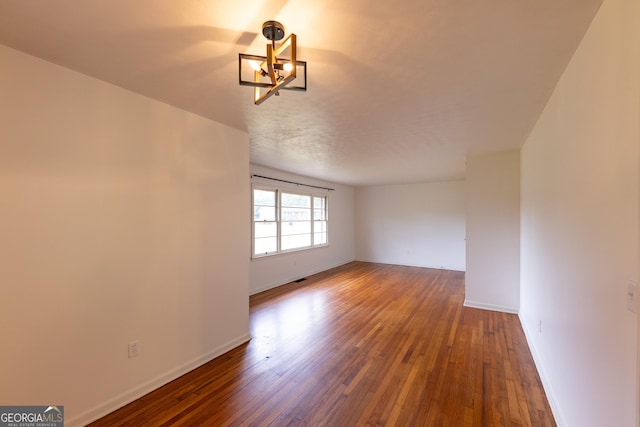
(275, 71)
(273, 30)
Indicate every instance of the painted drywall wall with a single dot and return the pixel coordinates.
(579, 227)
(121, 219)
(414, 224)
(493, 231)
(275, 270)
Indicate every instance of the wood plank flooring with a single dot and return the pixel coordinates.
(360, 345)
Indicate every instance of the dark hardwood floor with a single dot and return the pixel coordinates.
(363, 344)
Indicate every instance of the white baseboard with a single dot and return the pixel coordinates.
(391, 262)
(139, 391)
(555, 408)
(491, 307)
(300, 276)
(329, 267)
(546, 384)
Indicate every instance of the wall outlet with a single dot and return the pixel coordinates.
(632, 296)
(540, 326)
(133, 349)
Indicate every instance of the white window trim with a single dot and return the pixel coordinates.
(286, 189)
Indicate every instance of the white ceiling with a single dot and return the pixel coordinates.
(399, 90)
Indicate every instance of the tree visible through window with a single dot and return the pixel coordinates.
(285, 221)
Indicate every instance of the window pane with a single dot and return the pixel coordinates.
(296, 200)
(319, 239)
(264, 213)
(318, 214)
(284, 221)
(295, 214)
(319, 226)
(319, 208)
(296, 241)
(299, 227)
(265, 229)
(263, 197)
(265, 245)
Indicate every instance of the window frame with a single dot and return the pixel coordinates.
(278, 190)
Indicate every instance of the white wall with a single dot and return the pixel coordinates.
(121, 219)
(414, 224)
(271, 271)
(580, 188)
(492, 280)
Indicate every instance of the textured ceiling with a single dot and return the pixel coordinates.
(399, 90)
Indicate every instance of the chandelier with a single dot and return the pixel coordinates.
(270, 74)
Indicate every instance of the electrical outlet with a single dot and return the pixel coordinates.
(540, 326)
(133, 349)
(632, 296)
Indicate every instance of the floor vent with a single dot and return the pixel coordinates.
(300, 280)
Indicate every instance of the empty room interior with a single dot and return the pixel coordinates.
(170, 184)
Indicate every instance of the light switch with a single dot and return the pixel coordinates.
(632, 296)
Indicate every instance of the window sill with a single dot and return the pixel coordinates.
(291, 251)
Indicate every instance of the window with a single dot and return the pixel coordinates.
(285, 220)
(265, 226)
